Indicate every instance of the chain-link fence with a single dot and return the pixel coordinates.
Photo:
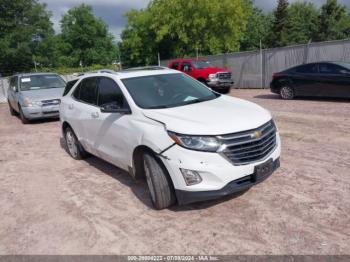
(255, 69)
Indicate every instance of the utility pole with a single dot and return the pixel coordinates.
(261, 66)
(35, 66)
(158, 59)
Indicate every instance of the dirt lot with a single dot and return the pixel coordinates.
(52, 204)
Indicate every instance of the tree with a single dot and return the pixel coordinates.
(87, 38)
(334, 22)
(276, 36)
(301, 23)
(23, 25)
(257, 29)
(184, 27)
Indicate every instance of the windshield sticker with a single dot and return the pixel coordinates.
(190, 98)
(24, 80)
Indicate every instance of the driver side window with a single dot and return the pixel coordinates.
(14, 83)
(186, 67)
(110, 93)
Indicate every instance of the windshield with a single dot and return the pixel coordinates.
(164, 91)
(36, 82)
(201, 64)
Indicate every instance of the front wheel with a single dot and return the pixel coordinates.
(287, 92)
(23, 117)
(74, 148)
(158, 181)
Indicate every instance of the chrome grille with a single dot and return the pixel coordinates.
(224, 75)
(51, 102)
(250, 146)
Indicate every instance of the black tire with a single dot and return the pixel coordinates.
(22, 116)
(287, 92)
(73, 146)
(12, 111)
(158, 181)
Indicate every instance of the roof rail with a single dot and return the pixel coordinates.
(146, 68)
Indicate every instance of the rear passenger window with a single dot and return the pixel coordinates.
(175, 65)
(69, 86)
(88, 91)
(307, 69)
(109, 92)
(330, 69)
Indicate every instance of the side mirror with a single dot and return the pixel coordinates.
(114, 108)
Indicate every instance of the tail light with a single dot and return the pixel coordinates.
(275, 75)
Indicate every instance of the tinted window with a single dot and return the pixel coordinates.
(167, 90)
(307, 69)
(69, 86)
(175, 65)
(88, 91)
(185, 66)
(14, 82)
(330, 69)
(109, 92)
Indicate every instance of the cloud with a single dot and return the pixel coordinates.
(110, 11)
(268, 5)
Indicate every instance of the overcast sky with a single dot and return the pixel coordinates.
(111, 11)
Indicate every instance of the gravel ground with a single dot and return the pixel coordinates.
(52, 204)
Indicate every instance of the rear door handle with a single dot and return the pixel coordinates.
(94, 115)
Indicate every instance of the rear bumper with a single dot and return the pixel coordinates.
(238, 185)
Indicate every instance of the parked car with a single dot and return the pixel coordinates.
(323, 79)
(35, 95)
(218, 79)
(190, 143)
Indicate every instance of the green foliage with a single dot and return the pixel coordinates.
(334, 22)
(86, 38)
(257, 29)
(276, 35)
(301, 23)
(23, 24)
(183, 27)
(71, 70)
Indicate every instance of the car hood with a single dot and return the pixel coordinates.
(43, 94)
(223, 115)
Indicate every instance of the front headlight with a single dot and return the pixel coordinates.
(27, 102)
(212, 77)
(200, 143)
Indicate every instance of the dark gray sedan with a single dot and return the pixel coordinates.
(322, 79)
(35, 95)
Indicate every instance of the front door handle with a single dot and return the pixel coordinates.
(71, 106)
(94, 115)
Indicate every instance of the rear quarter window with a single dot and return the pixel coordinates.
(69, 86)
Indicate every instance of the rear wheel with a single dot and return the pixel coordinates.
(22, 116)
(287, 92)
(74, 148)
(158, 181)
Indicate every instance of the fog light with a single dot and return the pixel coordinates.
(191, 177)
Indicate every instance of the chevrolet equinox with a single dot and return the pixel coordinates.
(189, 142)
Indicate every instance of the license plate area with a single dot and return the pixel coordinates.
(263, 170)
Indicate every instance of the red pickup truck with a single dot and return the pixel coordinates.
(216, 78)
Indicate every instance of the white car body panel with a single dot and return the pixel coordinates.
(114, 136)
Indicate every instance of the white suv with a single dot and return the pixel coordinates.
(190, 143)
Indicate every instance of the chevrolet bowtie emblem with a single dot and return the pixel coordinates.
(256, 134)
